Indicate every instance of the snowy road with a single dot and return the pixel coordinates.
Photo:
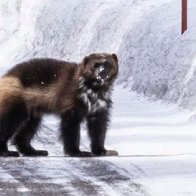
(157, 147)
(104, 176)
(65, 176)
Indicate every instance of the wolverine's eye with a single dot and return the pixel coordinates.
(96, 65)
(105, 64)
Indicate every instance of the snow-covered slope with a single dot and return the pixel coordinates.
(159, 59)
(154, 58)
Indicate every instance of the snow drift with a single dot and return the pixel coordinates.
(154, 58)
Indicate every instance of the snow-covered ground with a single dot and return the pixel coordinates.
(160, 142)
(156, 140)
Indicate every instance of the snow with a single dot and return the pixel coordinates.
(5, 176)
(169, 175)
(150, 129)
(155, 138)
(158, 58)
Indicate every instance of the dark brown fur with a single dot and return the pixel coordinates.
(41, 86)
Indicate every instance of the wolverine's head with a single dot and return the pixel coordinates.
(100, 70)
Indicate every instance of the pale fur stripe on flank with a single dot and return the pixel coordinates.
(10, 85)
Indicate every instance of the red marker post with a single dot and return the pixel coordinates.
(184, 16)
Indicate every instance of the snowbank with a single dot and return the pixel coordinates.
(154, 58)
(159, 59)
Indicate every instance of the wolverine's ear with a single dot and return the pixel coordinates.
(115, 57)
(86, 60)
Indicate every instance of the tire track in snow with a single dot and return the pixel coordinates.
(31, 174)
(52, 176)
(9, 185)
(111, 178)
(68, 176)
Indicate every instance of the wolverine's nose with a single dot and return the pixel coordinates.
(102, 73)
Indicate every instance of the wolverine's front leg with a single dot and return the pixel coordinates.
(70, 133)
(97, 127)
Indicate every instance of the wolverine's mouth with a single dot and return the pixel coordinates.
(101, 75)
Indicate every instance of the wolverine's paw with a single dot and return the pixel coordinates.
(85, 154)
(105, 153)
(80, 154)
(28, 150)
(35, 153)
(9, 154)
(111, 153)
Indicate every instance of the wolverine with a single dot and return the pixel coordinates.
(73, 91)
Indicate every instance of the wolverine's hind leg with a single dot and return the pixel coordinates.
(23, 138)
(12, 117)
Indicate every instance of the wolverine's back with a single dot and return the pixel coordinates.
(42, 72)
